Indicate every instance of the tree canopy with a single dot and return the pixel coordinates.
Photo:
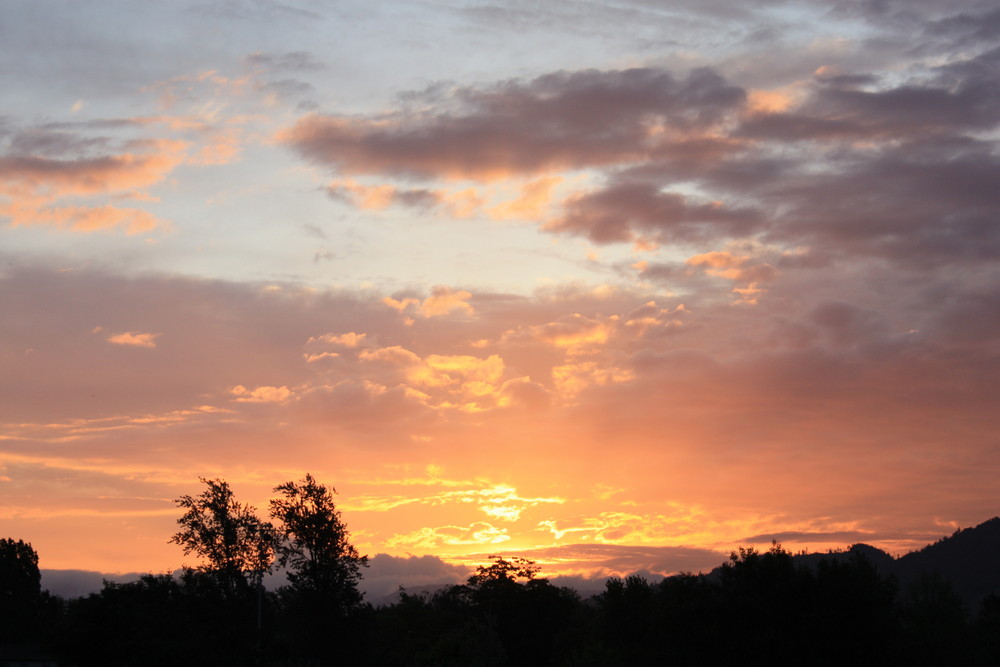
(313, 543)
(20, 587)
(237, 545)
(19, 574)
(504, 571)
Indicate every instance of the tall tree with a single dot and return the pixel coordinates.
(321, 622)
(20, 588)
(19, 574)
(237, 545)
(314, 543)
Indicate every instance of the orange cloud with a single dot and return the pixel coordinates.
(263, 394)
(619, 527)
(319, 356)
(572, 378)
(83, 219)
(588, 349)
(211, 142)
(574, 332)
(458, 381)
(471, 369)
(89, 176)
(500, 501)
(768, 101)
(478, 533)
(36, 187)
(531, 203)
(463, 203)
(134, 339)
(443, 301)
(718, 263)
(395, 355)
(523, 392)
(650, 317)
(726, 264)
(73, 429)
(749, 294)
(739, 268)
(399, 304)
(348, 340)
(367, 197)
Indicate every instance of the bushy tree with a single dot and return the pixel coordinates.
(502, 572)
(160, 619)
(323, 568)
(237, 545)
(528, 614)
(314, 544)
(20, 587)
(19, 574)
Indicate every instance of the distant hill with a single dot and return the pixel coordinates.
(883, 562)
(969, 559)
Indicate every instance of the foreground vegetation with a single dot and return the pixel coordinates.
(758, 608)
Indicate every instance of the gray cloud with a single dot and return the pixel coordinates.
(900, 172)
(286, 88)
(564, 120)
(43, 141)
(965, 26)
(628, 210)
(385, 574)
(905, 111)
(292, 61)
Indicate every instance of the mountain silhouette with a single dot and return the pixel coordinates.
(969, 560)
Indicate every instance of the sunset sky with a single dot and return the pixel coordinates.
(614, 285)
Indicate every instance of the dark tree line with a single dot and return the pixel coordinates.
(758, 608)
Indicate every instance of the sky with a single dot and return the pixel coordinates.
(617, 286)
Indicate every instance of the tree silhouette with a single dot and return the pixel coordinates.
(19, 574)
(238, 546)
(527, 614)
(502, 571)
(763, 598)
(314, 542)
(160, 619)
(323, 571)
(20, 588)
(935, 622)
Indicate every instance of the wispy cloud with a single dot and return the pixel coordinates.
(134, 339)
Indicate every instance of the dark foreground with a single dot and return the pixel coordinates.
(759, 608)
